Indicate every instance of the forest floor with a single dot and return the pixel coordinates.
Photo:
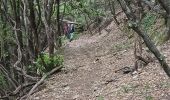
(89, 71)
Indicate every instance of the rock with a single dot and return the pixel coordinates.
(37, 98)
(67, 88)
(75, 97)
(135, 74)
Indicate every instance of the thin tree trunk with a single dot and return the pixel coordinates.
(33, 27)
(134, 25)
(58, 22)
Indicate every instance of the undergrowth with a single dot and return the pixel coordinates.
(45, 63)
(3, 82)
(152, 24)
(122, 46)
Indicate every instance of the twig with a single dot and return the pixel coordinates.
(4, 98)
(41, 81)
(18, 50)
(7, 76)
(17, 90)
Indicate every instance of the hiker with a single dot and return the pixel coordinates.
(71, 31)
(66, 30)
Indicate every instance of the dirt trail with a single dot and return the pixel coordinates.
(89, 73)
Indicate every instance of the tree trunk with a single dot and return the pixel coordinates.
(134, 25)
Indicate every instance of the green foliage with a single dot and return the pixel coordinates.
(2, 81)
(148, 21)
(75, 36)
(100, 98)
(165, 85)
(50, 63)
(6, 37)
(150, 24)
(125, 89)
(82, 10)
(5, 33)
(128, 88)
(147, 93)
(63, 39)
(149, 98)
(121, 46)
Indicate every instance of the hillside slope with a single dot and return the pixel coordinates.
(89, 73)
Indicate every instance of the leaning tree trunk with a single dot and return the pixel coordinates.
(135, 26)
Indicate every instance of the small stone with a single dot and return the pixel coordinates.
(67, 88)
(37, 98)
(75, 97)
(95, 88)
(135, 74)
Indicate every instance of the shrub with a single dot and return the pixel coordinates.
(148, 21)
(49, 63)
(2, 81)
